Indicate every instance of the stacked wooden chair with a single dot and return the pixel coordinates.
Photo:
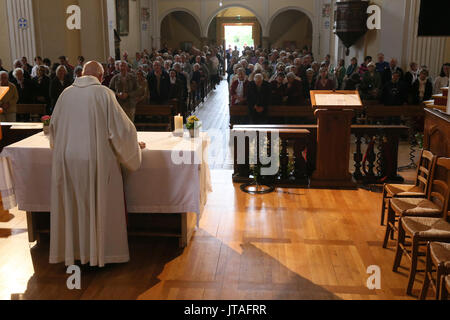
(417, 190)
(421, 224)
(411, 200)
(438, 262)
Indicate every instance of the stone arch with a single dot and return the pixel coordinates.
(187, 13)
(284, 9)
(217, 11)
(166, 13)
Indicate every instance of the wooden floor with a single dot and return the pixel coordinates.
(291, 244)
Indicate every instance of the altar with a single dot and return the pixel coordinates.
(172, 183)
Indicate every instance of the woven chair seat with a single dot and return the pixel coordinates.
(416, 207)
(440, 253)
(404, 190)
(425, 227)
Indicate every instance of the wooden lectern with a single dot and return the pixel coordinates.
(334, 111)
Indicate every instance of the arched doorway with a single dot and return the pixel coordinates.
(180, 30)
(291, 29)
(235, 26)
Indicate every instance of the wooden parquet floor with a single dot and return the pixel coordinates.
(291, 244)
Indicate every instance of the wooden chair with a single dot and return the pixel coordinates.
(417, 190)
(438, 261)
(445, 288)
(422, 230)
(418, 206)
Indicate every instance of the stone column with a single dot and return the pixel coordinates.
(21, 29)
(266, 43)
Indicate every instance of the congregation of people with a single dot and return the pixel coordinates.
(151, 78)
(257, 78)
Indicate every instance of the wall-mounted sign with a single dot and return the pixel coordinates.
(23, 23)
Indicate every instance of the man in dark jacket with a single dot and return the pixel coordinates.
(158, 84)
(395, 91)
(258, 99)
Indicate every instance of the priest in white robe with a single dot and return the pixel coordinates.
(91, 137)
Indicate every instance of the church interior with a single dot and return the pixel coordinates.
(224, 150)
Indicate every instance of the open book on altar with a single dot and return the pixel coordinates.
(341, 99)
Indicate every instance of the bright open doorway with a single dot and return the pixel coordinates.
(239, 35)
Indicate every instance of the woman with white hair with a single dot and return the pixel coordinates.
(58, 84)
(294, 90)
(25, 87)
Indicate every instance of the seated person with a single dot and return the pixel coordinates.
(371, 84)
(422, 88)
(294, 91)
(278, 90)
(394, 92)
(238, 91)
(258, 99)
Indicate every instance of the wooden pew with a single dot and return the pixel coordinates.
(239, 113)
(165, 112)
(34, 111)
(373, 111)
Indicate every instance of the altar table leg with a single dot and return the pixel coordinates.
(188, 225)
(31, 227)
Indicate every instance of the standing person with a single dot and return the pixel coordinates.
(324, 82)
(258, 99)
(25, 87)
(124, 85)
(9, 101)
(422, 88)
(363, 67)
(37, 63)
(91, 138)
(69, 68)
(382, 67)
(158, 84)
(340, 72)
(42, 87)
(442, 80)
(57, 85)
(371, 84)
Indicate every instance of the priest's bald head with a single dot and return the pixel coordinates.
(93, 68)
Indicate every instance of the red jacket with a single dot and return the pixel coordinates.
(233, 92)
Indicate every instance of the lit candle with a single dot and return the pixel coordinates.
(178, 123)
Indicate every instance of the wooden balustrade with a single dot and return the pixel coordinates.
(295, 139)
(380, 163)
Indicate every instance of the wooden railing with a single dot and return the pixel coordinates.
(375, 157)
(290, 170)
(305, 114)
(31, 112)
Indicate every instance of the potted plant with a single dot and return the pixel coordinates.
(46, 121)
(193, 124)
